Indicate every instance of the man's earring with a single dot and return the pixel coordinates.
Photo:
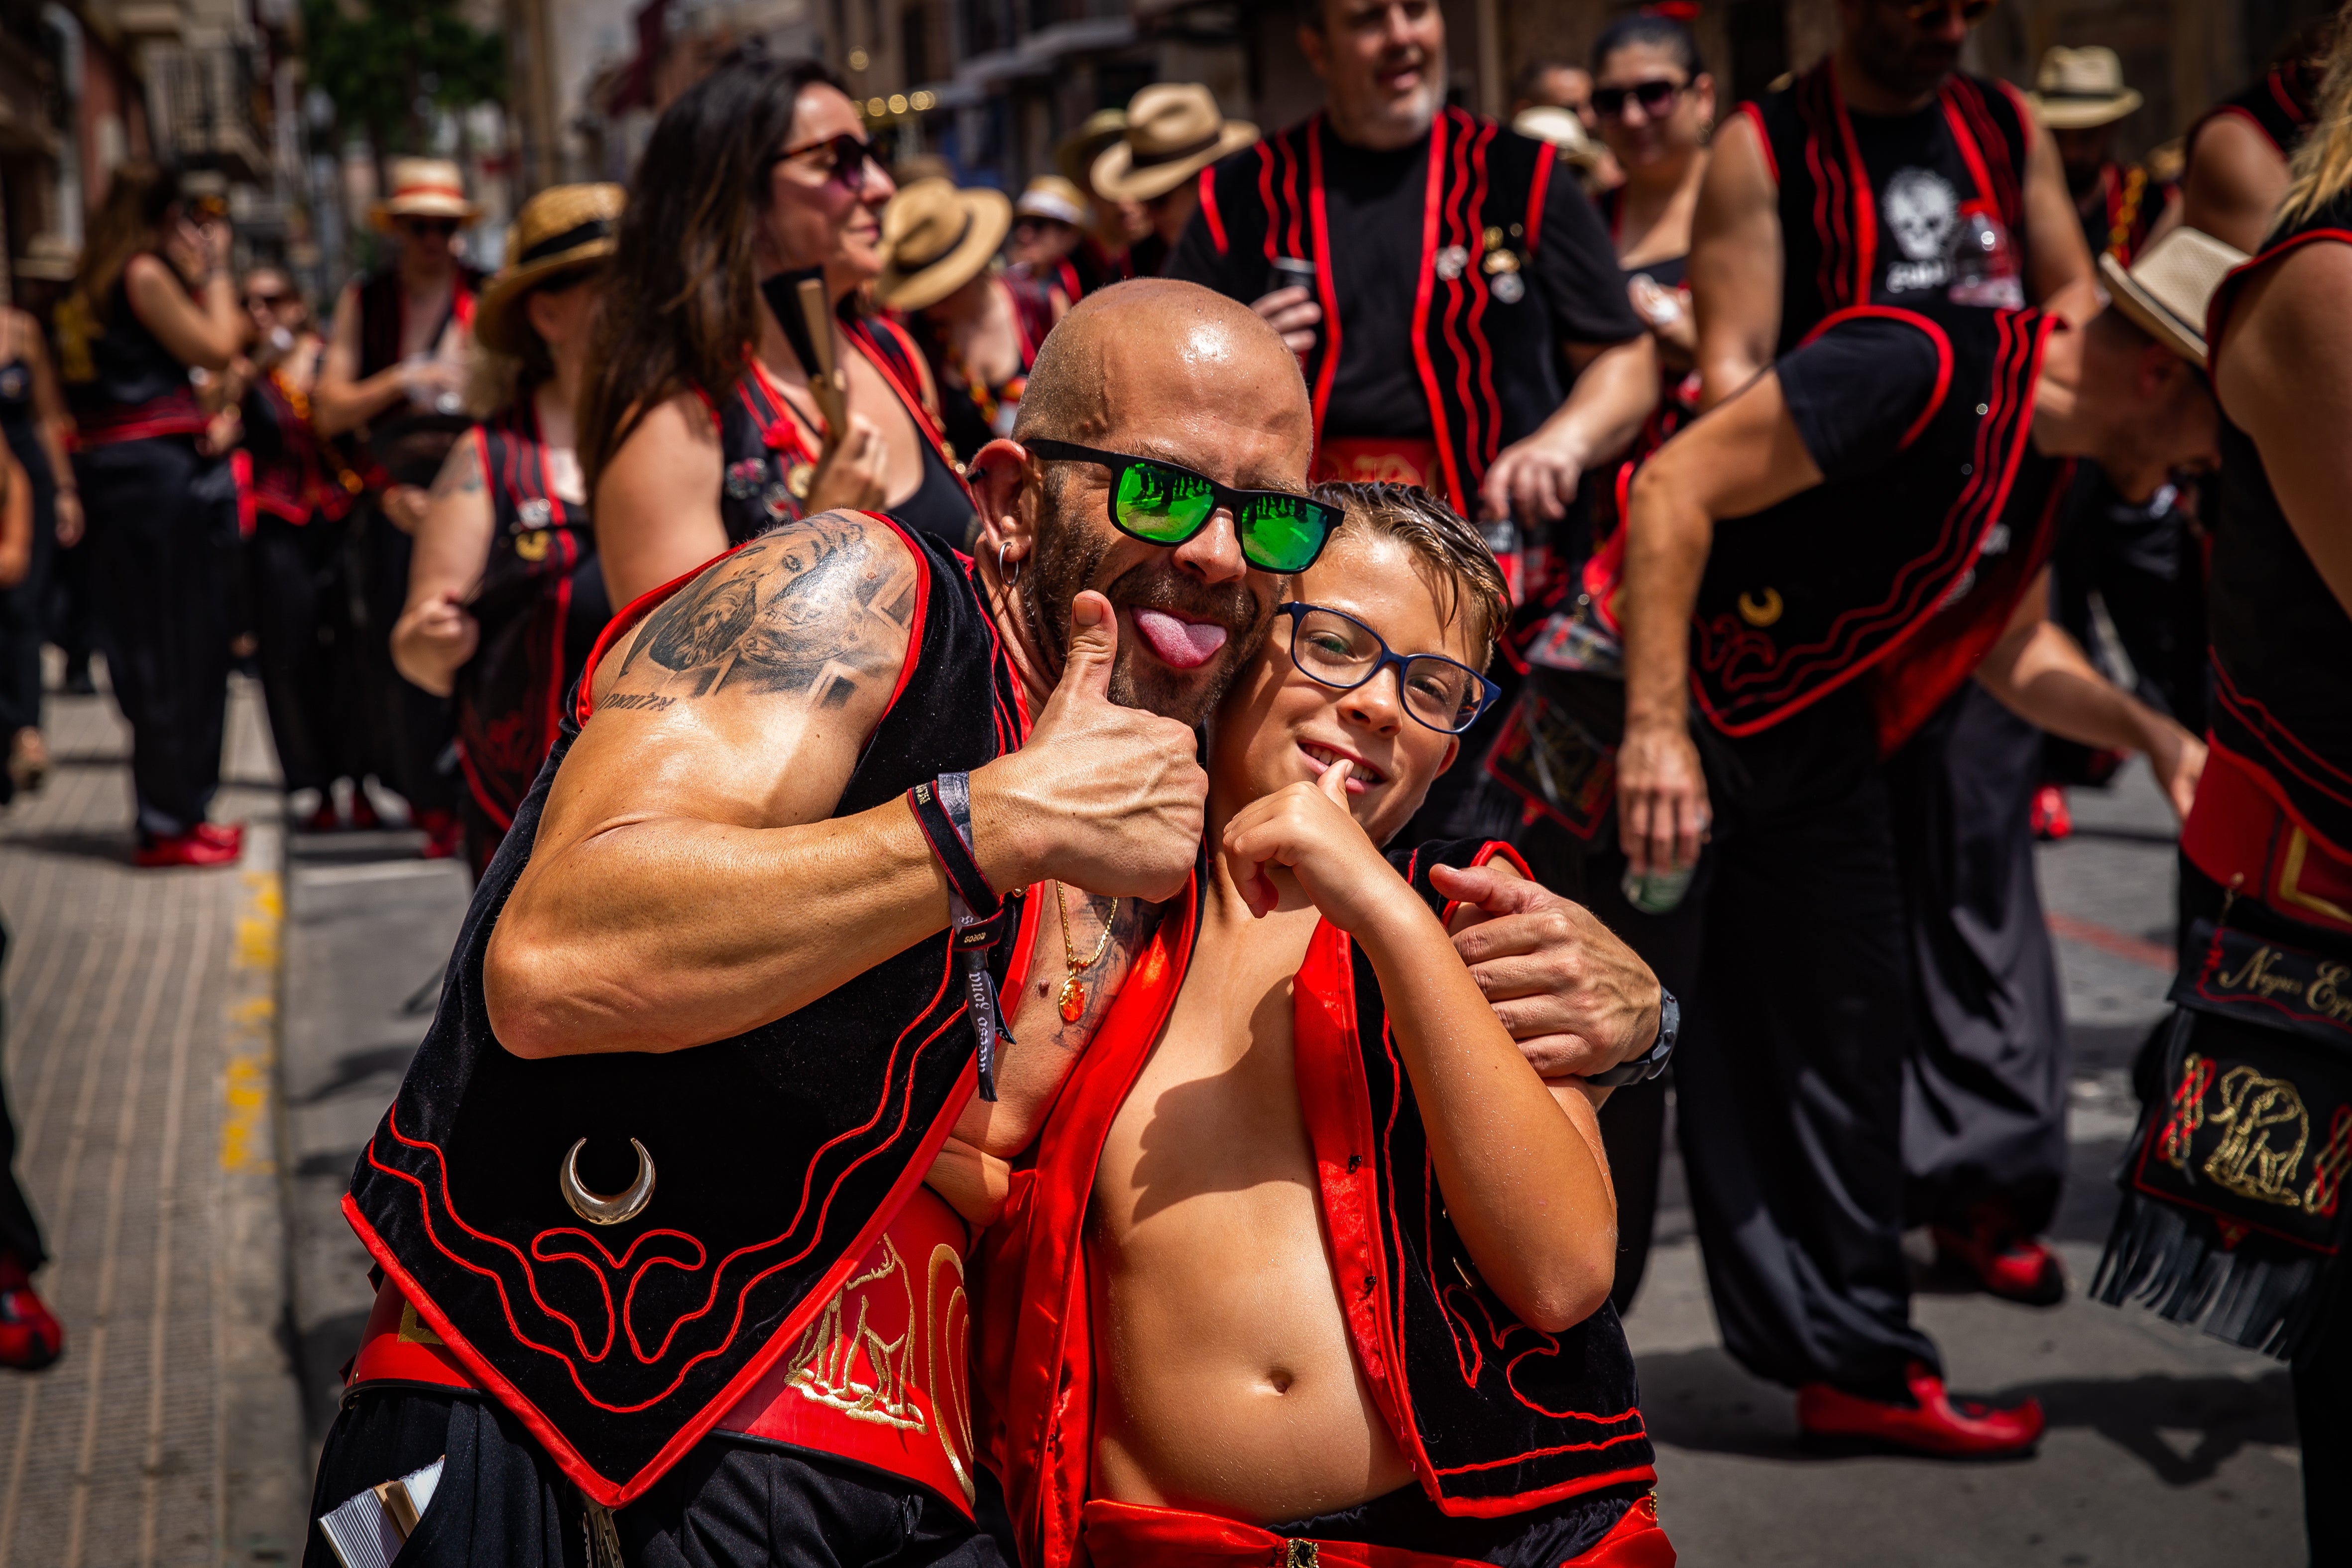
(1011, 574)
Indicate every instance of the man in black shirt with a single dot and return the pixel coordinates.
(1435, 270)
(1821, 563)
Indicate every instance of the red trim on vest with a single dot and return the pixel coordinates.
(1126, 1534)
(1209, 214)
(1925, 324)
(240, 469)
(1424, 283)
(1755, 118)
(1325, 284)
(1865, 198)
(2245, 833)
(2216, 314)
(1538, 191)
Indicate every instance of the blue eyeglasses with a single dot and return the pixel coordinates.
(1341, 652)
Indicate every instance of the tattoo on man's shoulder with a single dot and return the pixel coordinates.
(645, 699)
(460, 475)
(813, 607)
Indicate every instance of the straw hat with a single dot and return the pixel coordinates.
(424, 188)
(1076, 153)
(2165, 293)
(561, 230)
(937, 238)
(1174, 129)
(1563, 129)
(2076, 89)
(47, 259)
(1051, 196)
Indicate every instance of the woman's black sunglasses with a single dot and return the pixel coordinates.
(1336, 649)
(1165, 504)
(1655, 97)
(851, 154)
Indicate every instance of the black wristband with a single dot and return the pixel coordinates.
(950, 845)
(1652, 1062)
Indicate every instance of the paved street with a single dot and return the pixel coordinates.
(175, 1093)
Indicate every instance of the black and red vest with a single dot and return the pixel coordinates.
(1488, 364)
(1909, 570)
(120, 383)
(1495, 1417)
(2281, 105)
(2130, 200)
(779, 1155)
(296, 477)
(1868, 203)
(2282, 642)
(770, 455)
(403, 445)
(542, 607)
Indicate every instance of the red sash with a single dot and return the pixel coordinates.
(881, 1376)
(2243, 833)
(1125, 1534)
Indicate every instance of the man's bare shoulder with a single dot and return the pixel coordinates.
(818, 610)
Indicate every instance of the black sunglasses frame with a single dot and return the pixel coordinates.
(446, 227)
(1225, 497)
(1613, 108)
(1489, 692)
(1971, 10)
(848, 160)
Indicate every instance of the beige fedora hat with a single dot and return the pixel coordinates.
(1563, 129)
(937, 239)
(1050, 195)
(424, 188)
(1076, 152)
(1174, 129)
(2165, 292)
(2076, 89)
(565, 228)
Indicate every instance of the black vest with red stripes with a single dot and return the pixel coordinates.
(1910, 570)
(542, 607)
(406, 445)
(2282, 642)
(1869, 202)
(120, 383)
(777, 1155)
(295, 477)
(2282, 105)
(1487, 360)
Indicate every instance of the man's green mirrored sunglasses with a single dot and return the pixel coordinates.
(1166, 503)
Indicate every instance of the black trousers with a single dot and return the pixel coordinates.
(409, 729)
(1984, 1103)
(1789, 1081)
(20, 1233)
(303, 623)
(502, 1499)
(163, 518)
(24, 607)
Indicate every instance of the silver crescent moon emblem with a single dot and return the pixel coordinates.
(615, 1210)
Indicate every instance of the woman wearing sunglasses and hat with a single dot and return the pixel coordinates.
(979, 341)
(504, 597)
(699, 429)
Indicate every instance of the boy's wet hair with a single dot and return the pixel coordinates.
(1468, 583)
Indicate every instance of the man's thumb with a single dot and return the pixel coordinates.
(1093, 646)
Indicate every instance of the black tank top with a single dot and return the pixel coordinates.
(121, 382)
(2282, 105)
(20, 423)
(1869, 202)
(542, 605)
(2281, 643)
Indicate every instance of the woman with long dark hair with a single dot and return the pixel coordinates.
(505, 598)
(151, 302)
(35, 425)
(698, 426)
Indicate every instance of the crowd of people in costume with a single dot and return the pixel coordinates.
(1098, 815)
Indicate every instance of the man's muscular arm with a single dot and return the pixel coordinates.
(1736, 261)
(2058, 264)
(688, 883)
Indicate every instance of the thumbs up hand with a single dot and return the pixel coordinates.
(1303, 842)
(1103, 797)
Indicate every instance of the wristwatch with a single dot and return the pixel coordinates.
(1652, 1062)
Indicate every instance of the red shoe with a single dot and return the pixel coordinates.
(187, 849)
(30, 1339)
(229, 836)
(445, 836)
(323, 820)
(2014, 1268)
(1937, 1424)
(364, 816)
(2052, 818)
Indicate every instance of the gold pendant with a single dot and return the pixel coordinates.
(1073, 1000)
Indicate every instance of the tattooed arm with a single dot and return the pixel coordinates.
(688, 883)
(434, 637)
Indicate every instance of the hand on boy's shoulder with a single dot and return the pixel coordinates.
(1576, 999)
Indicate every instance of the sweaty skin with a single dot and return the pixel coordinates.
(1229, 1383)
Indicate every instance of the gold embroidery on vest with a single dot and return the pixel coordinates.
(2248, 1162)
(825, 1363)
(2327, 1169)
(2255, 975)
(2290, 881)
(947, 1330)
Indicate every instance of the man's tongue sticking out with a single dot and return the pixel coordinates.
(1180, 643)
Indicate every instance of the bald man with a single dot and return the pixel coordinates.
(660, 1261)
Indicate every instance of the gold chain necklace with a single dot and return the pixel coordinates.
(1072, 998)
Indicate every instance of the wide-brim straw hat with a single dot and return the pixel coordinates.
(2165, 292)
(1076, 152)
(1174, 129)
(2078, 90)
(565, 228)
(1051, 196)
(935, 239)
(424, 188)
(1563, 129)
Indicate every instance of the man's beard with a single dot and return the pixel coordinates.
(1909, 67)
(1065, 563)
